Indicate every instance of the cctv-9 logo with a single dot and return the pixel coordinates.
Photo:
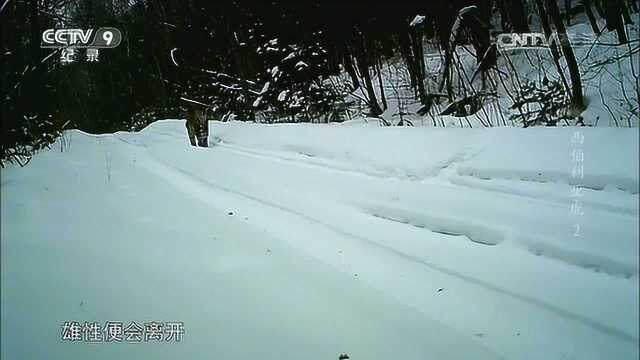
(107, 37)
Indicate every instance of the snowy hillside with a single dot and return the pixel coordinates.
(609, 75)
(307, 241)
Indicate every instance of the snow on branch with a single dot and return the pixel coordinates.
(418, 20)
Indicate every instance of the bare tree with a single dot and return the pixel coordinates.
(553, 14)
(363, 67)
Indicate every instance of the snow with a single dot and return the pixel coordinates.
(467, 10)
(418, 20)
(283, 95)
(265, 88)
(308, 241)
(608, 84)
(291, 56)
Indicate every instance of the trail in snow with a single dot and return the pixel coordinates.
(306, 240)
(440, 218)
(585, 260)
(163, 170)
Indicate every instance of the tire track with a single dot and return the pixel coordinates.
(447, 174)
(178, 177)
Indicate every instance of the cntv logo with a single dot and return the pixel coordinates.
(538, 40)
(104, 37)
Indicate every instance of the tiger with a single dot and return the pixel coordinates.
(197, 126)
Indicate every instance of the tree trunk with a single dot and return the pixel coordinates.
(248, 111)
(486, 12)
(348, 66)
(383, 97)
(599, 9)
(625, 13)
(418, 58)
(363, 66)
(503, 15)
(614, 14)
(577, 98)
(591, 16)
(515, 10)
(544, 20)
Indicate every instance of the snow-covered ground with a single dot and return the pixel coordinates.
(307, 241)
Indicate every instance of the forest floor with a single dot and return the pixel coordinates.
(307, 241)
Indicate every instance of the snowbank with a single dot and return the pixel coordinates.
(540, 154)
